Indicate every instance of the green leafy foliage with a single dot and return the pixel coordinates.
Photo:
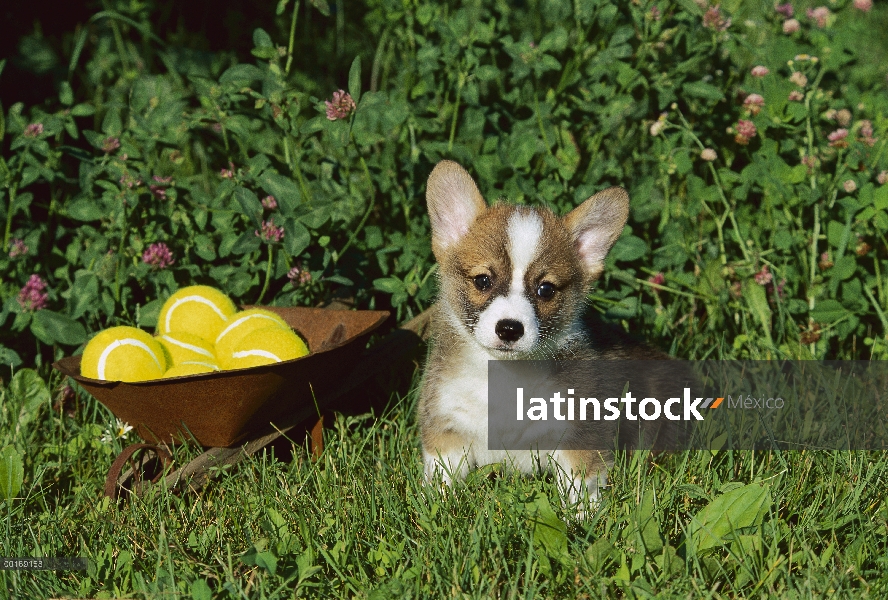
(764, 246)
(729, 514)
(785, 217)
(12, 473)
(549, 534)
(27, 393)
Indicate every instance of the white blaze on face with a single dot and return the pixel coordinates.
(524, 231)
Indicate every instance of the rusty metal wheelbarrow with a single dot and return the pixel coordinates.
(234, 414)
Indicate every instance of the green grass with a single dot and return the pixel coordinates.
(359, 523)
(777, 248)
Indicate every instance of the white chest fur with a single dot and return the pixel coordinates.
(463, 410)
(463, 396)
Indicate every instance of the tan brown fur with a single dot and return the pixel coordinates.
(469, 239)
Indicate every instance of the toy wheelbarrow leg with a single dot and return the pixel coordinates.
(144, 470)
(141, 470)
(317, 438)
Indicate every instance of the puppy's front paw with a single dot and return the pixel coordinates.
(581, 477)
(441, 470)
(582, 495)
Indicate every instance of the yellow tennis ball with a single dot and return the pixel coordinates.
(198, 309)
(190, 367)
(244, 323)
(180, 347)
(123, 354)
(264, 347)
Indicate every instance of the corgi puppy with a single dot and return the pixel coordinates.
(513, 285)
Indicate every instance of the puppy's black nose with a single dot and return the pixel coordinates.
(509, 330)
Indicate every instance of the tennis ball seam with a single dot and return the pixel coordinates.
(197, 362)
(194, 298)
(213, 366)
(187, 346)
(255, 352)
(241, 320)
(103, 357)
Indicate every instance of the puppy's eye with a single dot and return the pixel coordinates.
(545, 290)
(482, 282)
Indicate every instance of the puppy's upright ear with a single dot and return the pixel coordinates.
(454, 203)
(595, 225)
